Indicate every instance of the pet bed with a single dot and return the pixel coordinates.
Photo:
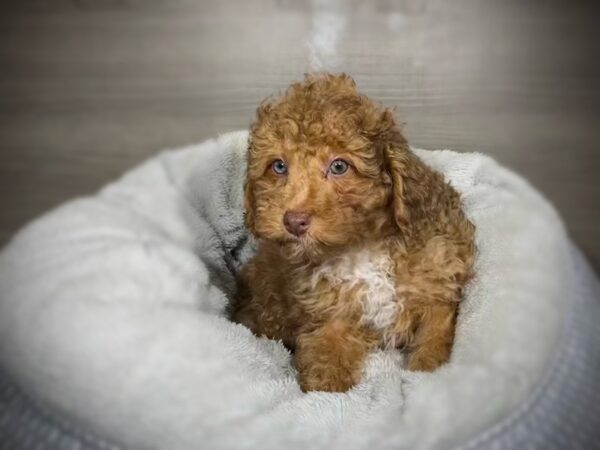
(113, 328)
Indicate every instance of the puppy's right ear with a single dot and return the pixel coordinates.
(249, 193)
(249, 205)
(257, 134)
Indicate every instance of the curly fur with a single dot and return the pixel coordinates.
(371, 272)
(388, 250)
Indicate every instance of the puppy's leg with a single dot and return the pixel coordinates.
(434, 336)
(244, 314)
(265, 318)
(331, 357)
(243, 305)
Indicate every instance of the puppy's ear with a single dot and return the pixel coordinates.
(420, 195)
(396, 161)
(262, 117)
(249, 206)
(249, 203)
(394, 150)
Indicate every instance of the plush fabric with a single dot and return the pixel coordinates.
(113, 320)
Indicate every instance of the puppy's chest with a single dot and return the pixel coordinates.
(365, 277)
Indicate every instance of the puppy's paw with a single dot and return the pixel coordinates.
(328, 379)
(424, 361)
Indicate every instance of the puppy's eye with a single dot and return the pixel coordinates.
(279, 167)
(338, 167)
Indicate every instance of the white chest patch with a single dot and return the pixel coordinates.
(370, 273)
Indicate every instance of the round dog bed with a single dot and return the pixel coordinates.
(114, 332)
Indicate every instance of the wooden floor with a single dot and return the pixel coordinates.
(90, 88)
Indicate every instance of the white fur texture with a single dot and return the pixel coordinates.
(370, 273)
(112, 313)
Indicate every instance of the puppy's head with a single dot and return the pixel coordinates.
(325, 167)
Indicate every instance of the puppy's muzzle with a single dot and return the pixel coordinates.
(297, 223)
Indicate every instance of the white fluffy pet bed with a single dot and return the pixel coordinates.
(113, 331)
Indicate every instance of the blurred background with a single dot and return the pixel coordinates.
(90, 88)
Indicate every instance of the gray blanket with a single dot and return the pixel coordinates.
(112, 320)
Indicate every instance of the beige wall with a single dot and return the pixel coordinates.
(88, 88)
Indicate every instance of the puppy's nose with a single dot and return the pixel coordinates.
(296, 223)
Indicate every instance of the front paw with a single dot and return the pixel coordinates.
(327, 378)
(424, 361)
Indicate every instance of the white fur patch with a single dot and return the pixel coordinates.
(373, 272)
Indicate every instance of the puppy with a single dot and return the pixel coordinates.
(360, 244)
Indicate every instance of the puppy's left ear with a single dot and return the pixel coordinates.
(395, 157)
(420, 196)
